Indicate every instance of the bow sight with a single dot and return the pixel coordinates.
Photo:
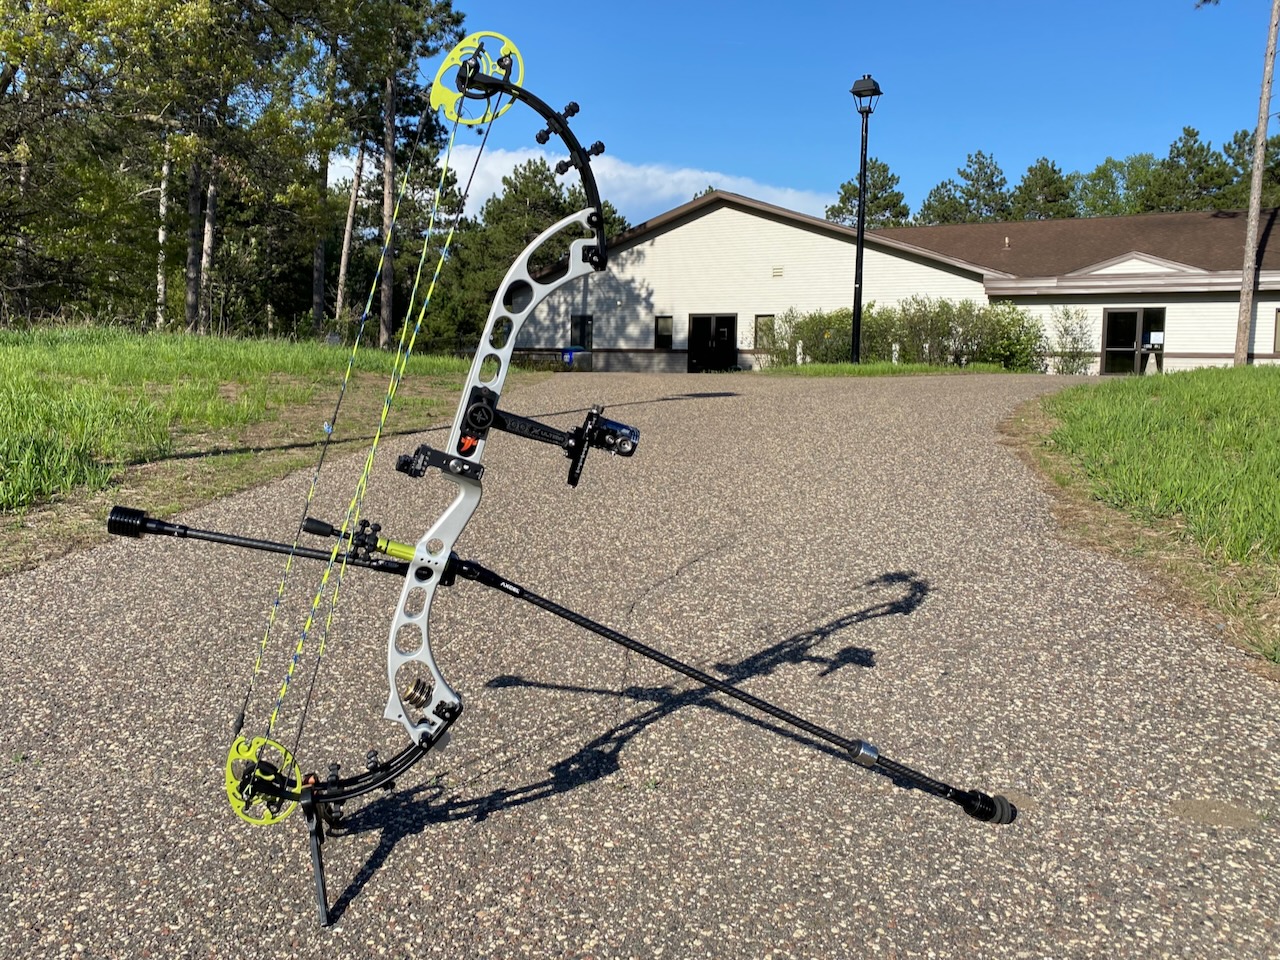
(264, 782)
(483, 415)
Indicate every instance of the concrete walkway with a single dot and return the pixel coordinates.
(865, 553)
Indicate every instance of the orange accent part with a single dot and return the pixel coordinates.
(467, 444)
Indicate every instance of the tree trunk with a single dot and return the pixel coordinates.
(1248, 273)
(20, 265)
(162, 237)
(317, 257)
(339, 313)
(386, 326)
(206, 254)
(193, 247)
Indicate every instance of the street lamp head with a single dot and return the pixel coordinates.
(867, 92)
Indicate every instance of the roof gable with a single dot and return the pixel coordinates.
(1135, 262)
(718, 199)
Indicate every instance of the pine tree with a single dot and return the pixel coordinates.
(980, 196)
(1193, 176)
(1044, 193)
(886, 204)
(984, 190)
(942, 205)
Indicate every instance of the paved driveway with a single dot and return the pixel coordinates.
(865, 553)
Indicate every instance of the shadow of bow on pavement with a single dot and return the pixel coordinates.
(405, 813)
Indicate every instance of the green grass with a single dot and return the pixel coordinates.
(56, 437)
(878, 369)
(1202, 447)
(77, 405)
(1193, 459)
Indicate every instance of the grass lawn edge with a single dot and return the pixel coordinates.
(1179, 573)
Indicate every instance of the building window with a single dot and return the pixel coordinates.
(580, 331)
(763, 332)
(663, 328)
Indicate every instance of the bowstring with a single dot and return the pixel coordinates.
(330, 426)
(352, 517)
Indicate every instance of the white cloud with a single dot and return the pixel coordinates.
(639, 191)
(494, 165)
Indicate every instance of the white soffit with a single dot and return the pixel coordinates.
(1200, 282)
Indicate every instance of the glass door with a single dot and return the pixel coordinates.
(1132, 340)
(1120, 341)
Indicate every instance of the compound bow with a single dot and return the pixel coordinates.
(263, 780)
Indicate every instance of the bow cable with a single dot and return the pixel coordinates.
(330, 427)
(352, 516)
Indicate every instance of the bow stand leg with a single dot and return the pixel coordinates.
(315, 827)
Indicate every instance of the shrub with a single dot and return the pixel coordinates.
(879, 333)
(1073, 340)
(827, 337)
(773, 339)
(821, 337)
(974, 332)
(924, 330)
(1017, 341)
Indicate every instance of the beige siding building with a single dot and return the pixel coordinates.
(687, 290)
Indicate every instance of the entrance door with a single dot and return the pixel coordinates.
(1130, 338)
(713, 342)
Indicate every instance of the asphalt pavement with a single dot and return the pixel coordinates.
(865, 553)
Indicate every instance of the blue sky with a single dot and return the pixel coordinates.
(754, 97)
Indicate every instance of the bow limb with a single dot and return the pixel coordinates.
(481, 84)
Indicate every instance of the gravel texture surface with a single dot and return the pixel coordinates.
(863, 552)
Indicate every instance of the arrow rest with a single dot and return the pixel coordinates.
(482, 415)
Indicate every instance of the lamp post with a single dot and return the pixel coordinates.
(867, 93)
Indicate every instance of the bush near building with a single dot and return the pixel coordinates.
(917, 330)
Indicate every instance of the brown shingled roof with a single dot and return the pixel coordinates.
(1052, 248)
